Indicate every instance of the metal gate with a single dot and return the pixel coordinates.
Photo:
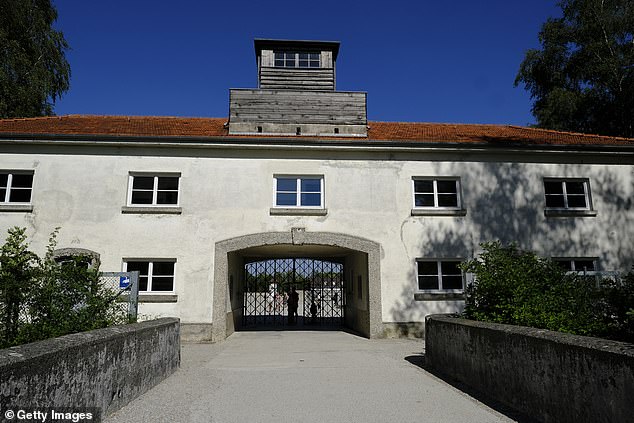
(269, 285)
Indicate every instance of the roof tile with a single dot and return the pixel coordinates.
(153, 126)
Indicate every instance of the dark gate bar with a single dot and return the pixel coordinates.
(268, 283)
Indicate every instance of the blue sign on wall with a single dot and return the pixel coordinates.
(124, 282)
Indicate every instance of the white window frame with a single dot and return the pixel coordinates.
(564, 182)
(298, 192)
(155, 190)
(435, 180)
(296, 59)
(151, 262)
(9, 187)
(439, 274)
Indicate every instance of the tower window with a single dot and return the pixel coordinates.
(292, 59)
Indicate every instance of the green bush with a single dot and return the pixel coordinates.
(618, 307)
(518, 287)
(40, 298)
(18, 276)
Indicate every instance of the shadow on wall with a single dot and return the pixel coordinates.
(419, 361)
(505, 201)
(441, 240)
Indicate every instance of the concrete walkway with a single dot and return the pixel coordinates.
(304, 377)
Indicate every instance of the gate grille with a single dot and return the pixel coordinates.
(318, 283)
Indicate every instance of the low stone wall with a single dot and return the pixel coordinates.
(550, 376)
(196, 333)
(102, 369)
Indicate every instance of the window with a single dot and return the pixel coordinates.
(16, 187)
(153, 190)
(437, 193)
(567, 194)
(76, 257)
(439, 275)
(290, 59)
(154, 276)
(576, 264)
(285, 59)
(303, 191)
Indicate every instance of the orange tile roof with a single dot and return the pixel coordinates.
(149, 126)
(153, 126)
(479, 133)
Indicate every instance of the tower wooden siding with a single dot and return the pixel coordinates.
(322, 78)
(297, 100)
(288, 106)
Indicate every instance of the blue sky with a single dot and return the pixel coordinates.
(424, 61)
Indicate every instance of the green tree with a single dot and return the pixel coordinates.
(18, 276)
(514, 286)
(518, 287)
(69, 297)
(41, 298)
(619, 306)
(582, 78)
(33, 67)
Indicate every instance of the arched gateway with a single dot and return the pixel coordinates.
(359, 257)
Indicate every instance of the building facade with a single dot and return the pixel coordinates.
(297, 174)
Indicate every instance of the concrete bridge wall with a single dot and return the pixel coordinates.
(550, 376)
(100, 370)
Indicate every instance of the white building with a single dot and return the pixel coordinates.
(385, 210)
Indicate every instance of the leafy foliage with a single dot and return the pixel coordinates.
(619, 307)
(40, 298)
(582, 79)
(518, 287)
(18, 276)
(33, 67)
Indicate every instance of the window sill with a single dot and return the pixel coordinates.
(158, 298)
(7, 207)
(438, 296)
(569, 213)
(297, 211)
(153, 298)
(151, 210)
(439, 212)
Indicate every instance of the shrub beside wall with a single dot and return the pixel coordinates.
(104, 368)
(41, 298)
(518, 287)
(551, 376)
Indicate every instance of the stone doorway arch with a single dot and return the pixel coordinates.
(364, 270)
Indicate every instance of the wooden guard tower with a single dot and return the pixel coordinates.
(296, 94)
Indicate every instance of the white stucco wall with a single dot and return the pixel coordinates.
(228, 193)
